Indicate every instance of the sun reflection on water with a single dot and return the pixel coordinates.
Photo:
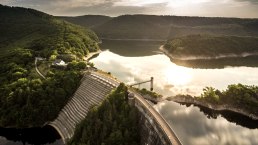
(170, 79)
(178, 75)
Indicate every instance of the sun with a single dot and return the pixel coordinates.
(178, 75)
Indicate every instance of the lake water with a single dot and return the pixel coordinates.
(134, 61)
(190, 124)
(31, 136)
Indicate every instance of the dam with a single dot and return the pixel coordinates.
(93, 89)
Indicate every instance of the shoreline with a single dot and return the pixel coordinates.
(131, 39)
(214, 107)
(188, 58)
(92, 54)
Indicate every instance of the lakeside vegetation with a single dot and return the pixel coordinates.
(238, 98)
(248, 61)
(149, 93)
(201, 46)
(26, 99)
(113, 122)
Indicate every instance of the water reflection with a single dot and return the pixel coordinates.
(132, 48)
(237, 118)
(250, 61)
(30, 136)
(178, 75)
(194, 128)
(191, 125)
(170, 79)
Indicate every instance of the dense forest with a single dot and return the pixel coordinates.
(237, 95)
(26, 99)
(198, 46)
(113, 122)
(165, 27)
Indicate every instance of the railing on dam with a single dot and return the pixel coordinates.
(165, 133)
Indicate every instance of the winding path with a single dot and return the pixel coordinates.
(36, 67)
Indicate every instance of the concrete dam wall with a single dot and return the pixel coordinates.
(92, 91)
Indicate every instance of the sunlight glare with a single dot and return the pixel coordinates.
(178, 75)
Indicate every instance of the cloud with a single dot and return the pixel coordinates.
(82, 7)
(221, 8)
(139, 3)
(103, 9)
(249, 1)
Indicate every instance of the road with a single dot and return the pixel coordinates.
(36, 67)
(161, 121)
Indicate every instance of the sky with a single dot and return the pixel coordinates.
(206, 8)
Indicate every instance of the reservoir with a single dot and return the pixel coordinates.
(46, 135)
(135, 61)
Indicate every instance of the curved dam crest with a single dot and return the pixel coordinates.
(93, 89)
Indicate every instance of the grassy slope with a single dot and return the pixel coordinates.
(211, 46)
(27, 100)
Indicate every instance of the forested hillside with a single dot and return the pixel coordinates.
(87, 20)
(26, 99)
(207, 46)
(113, 122)
(167, 27)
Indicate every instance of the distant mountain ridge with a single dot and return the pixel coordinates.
(166, 27)
(87, 20)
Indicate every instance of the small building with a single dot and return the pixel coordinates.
(59, 63)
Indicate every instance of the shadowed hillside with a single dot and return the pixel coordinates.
(206, 51)
(166, 27)
(27, 99)
(206, 46)
(28, 28)
(87, 20)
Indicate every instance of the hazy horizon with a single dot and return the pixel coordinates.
(113, 8)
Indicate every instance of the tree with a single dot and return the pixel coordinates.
(109, 123)
(81, 65)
